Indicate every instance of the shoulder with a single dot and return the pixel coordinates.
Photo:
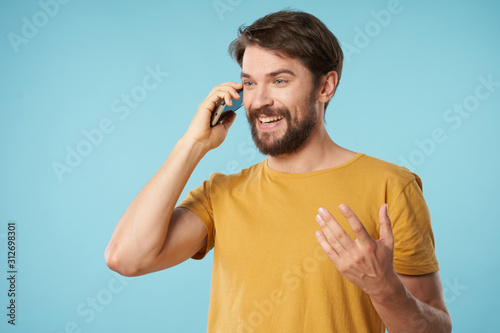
(386, 171)
(247, 174)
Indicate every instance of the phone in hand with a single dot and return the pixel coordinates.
(221, 109)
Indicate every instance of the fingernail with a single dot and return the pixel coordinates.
(318, 218)
(322, 211)
(343, 208)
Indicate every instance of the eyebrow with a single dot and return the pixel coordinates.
(277, 72)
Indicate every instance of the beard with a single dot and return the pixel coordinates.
(297, 130)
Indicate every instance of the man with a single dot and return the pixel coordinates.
(275, 268)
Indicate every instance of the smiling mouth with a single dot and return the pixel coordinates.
(268, 120)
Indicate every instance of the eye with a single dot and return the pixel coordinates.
(248, 83)
(280, 81)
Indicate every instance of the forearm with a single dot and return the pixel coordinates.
(141, 231)
(402, 312)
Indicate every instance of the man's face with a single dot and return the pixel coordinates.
(280, 101)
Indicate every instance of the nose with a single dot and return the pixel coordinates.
(261, 97)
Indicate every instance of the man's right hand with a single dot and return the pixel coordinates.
(200, 130)
(152, 234)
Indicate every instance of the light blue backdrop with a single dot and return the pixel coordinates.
(420, 87)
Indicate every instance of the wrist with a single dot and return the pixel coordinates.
(392, 293)
(196, 147)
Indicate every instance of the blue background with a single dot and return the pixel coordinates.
(400, 80)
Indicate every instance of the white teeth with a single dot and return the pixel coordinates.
(270, 119)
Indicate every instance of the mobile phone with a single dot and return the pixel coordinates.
(221, 109)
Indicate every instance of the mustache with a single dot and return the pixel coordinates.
(269, 112)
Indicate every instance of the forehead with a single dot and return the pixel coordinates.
(258, 61)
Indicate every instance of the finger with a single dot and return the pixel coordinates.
(386, 234)
(228, 98)
(215, 96)
(229, 89)
(234, 93)
(327, 248)
(229, 84)
(355, 223)
(227, 119)
(235, 85)
(237, 95)
(333, 231)
(228, 93)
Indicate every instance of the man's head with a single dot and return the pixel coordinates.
(291, 63)
(294, 34)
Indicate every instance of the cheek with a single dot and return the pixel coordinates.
(293, 97)
(245, 98)
(285, 99)
(247, 101)
(292, 101)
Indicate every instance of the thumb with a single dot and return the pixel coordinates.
(228, 120)
(386, 235)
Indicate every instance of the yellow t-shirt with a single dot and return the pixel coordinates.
(270, 273)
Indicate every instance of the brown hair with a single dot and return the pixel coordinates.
(295, 34)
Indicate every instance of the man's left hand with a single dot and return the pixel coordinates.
(366, 262)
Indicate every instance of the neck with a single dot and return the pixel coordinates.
(319, 152)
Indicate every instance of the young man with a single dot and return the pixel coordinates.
(303, 241)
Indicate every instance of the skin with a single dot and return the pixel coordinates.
(153, 235)
(264, 90)
(366, 262)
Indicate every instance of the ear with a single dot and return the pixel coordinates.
(328, 86)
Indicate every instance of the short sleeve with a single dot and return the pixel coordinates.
(413, 237)
(198, 201)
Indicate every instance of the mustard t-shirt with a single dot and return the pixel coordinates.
(270, 273)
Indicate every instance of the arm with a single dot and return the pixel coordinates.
(404, 303)
(150, 235)
(419, 308)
